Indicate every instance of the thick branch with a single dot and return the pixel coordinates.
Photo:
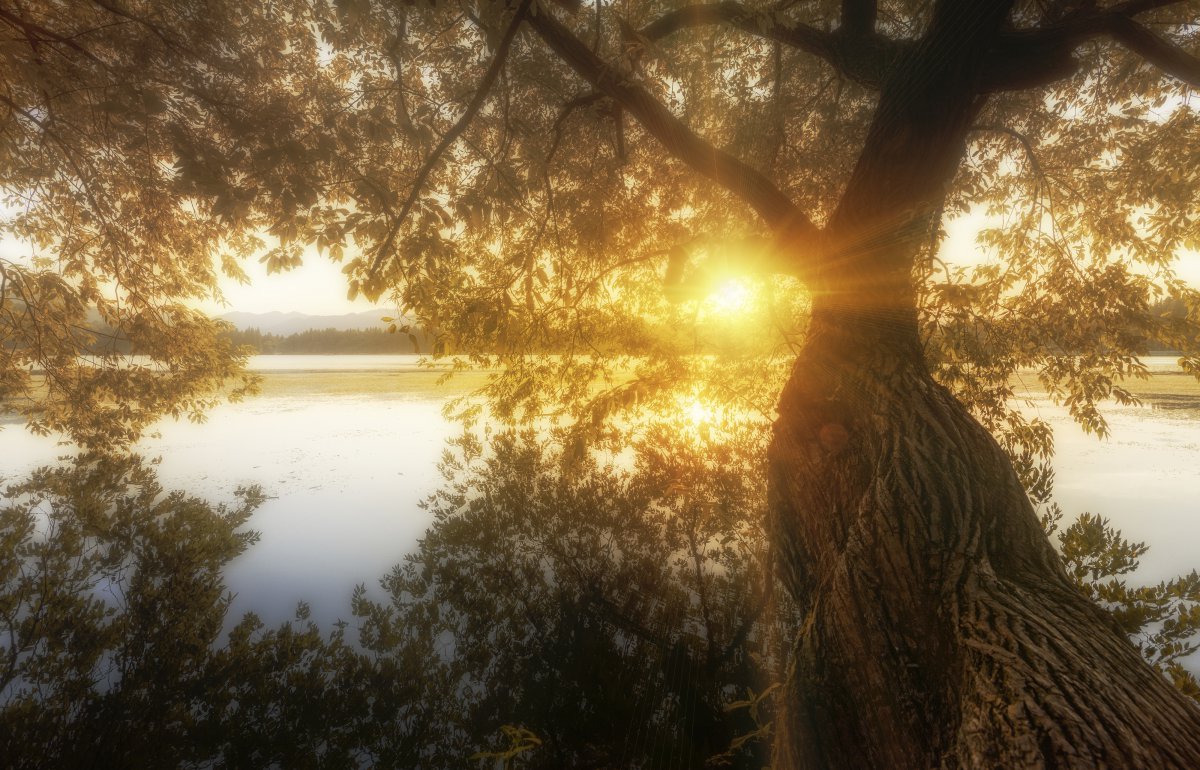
(1132, 8)
(1036, 57)
(1169, 58)
(861, 56)
(913, 146)
(736, 15)
(481, 94)
(1021, 59)
(855, 51)
(858, 16)
(736, 176)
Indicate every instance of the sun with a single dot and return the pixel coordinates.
(697, 412)
(731, 296)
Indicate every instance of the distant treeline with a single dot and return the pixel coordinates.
(108, 341)
(331, 342)
(379, 341)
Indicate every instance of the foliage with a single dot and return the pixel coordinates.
(116, 649)
(1162, 619)
(512, 208)
(531, 178)
(614, 611)
(580, 610)
(462, 164)
(621, 614)
(520, 741)
(112, 596)
(118, 121)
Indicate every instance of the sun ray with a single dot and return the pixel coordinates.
(731, 296)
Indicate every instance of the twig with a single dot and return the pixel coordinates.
(485, 85)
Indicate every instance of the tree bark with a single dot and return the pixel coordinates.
(940, 627)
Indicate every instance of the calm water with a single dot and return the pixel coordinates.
(348, 446)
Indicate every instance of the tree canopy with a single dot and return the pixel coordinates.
(533, 178)
(565, 191)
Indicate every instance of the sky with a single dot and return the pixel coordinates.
(318, 287)
(959, 248)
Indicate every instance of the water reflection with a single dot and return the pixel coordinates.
(605, 617)
(621, 614)
(1179, 405)
(617, 614)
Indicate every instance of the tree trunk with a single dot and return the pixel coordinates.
(940, 627)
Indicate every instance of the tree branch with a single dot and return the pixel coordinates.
(1167, 57)
(481, 94)
(860, 56)
(1029, 58)
(1132, 8)
(678, 139)
(735, 14)
(855, 51)
(1023, 58)
(858, 16)
(35, 33)
(1022, 139)
(159, 32)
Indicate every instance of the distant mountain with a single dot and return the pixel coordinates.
(293, 323)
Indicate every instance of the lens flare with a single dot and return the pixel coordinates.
(733, 295)
(698, 413)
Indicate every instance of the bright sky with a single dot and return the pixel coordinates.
(318, 287)
(959, 248)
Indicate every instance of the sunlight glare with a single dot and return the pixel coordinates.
(732, 295)
(698, 413)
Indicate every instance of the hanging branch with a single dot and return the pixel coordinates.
(476, 103)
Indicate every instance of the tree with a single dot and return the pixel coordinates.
(620, 615)
(113, 114)
(118, 651)
(519, 176)
(936, 613)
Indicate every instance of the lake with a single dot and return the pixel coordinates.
(348, 446)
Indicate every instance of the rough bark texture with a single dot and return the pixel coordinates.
(941, 629)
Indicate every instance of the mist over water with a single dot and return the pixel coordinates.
(348, 446)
